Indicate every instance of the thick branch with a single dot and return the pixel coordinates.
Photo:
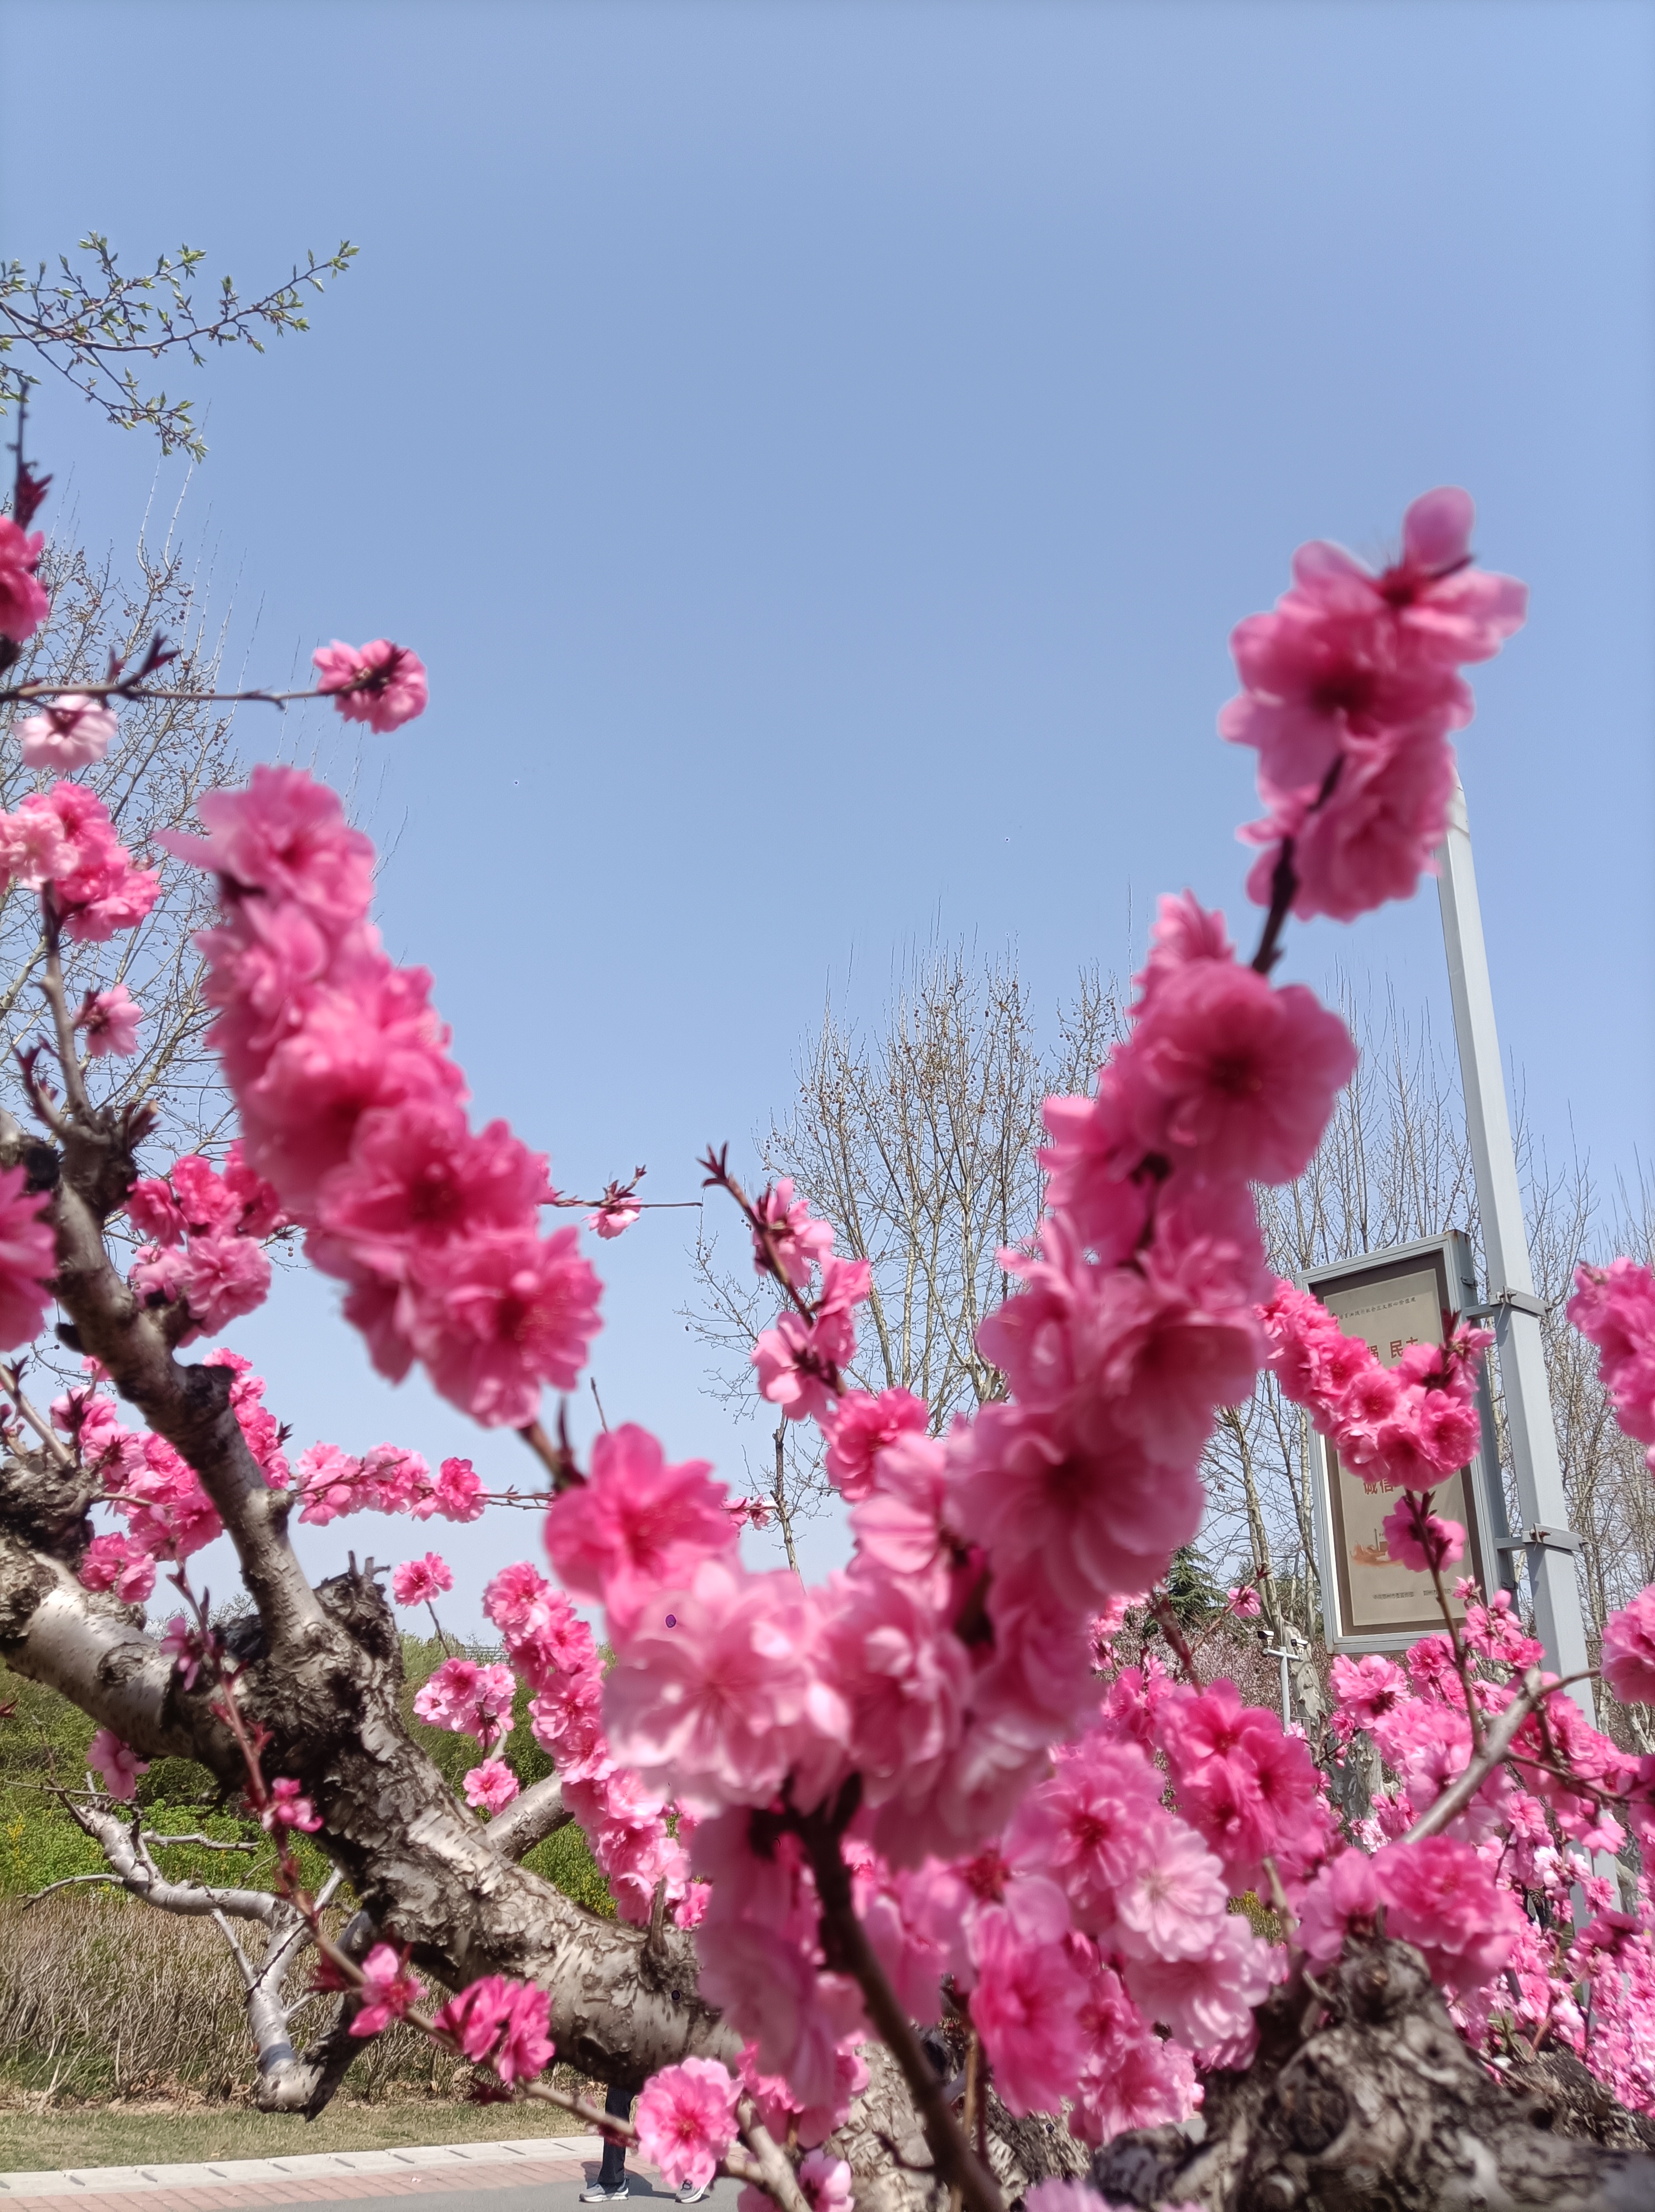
(530, 1819)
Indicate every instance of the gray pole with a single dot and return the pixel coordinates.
(1514, 1311)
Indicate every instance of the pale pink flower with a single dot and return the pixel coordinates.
(710, 1684)
(184, 1646)
(1172, 1900)
(116, 1762)
(285, 835)
(1243, 1603)
(1207, 1998)
(893, 1658)
(28, 1256)
(826, 2181)
(503, 2024)
(636, 1525)
(613, 1217)
(686, 2120)
(111, 1021)
(1084, 1826)
(490, 1787)
(96, 889)
(379, 684)
(388, 1990)
(330, 1484)
(1628, 1650)
(417, 1581)
(74, 731)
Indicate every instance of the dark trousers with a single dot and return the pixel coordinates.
(619, 2105)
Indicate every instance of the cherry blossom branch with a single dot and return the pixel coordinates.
(1160, 1605)
(11, 1380)
(1284, 882)
(848, 1950)
(52, 989)
(718, 1178)
(1496, 1744)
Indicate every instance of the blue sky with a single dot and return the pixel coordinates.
(820, 453)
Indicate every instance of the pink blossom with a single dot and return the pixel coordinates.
(28, 1255)
(826, 2181)
(709, 1684)
(860, 1427)
(74, 731)
(64, 835)
(636, 1525)
(1366, 1688)
(458, 1495)
(1233, 1076)
(686, 2120)
(1418, 1538)
(1084, 1826)
(417, 1581)
(502, 2024)
(186, 1647)
(286, 1806)
(379, 684)
(1026, 2007)
(118, 1765)
(388, 1990)
(1345, 1894)
(1614, 1308)
(285, 835)
(1244, 1603)
(503, 1314)
(1628, 1650)
(798, 1360)
(329, 1481)
(416, 1177)
(465, 1694)
(613, 1217)
(1064, 2196)
(798, 1242)
(894, 1659)
(1172, 1900)
(111, 1021)
(23, 603)
(1440, 1896)
(116, 1563)
(1207, 1998)
(490, 1787)
(218, 1279)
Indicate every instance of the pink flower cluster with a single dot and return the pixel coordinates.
(554, 1653)
(421, 1582)
(379, 684)
(149, 1485)
(352, 1108)
(502, 2024)
(1349, 690)
(390, 1478)
(62, 843)
(207, 1229)
(73, 731)
(466, 1695)
(118, 1765)
(1413, 1425)
(23, 603)
(28, 1258)
(1615, 1307)
(110, 1019)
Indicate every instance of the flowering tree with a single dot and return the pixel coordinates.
(925, 1796)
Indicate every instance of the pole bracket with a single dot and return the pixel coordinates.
(1522, 1302)
(1540, 1538)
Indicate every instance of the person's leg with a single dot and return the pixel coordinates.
(612, 2174)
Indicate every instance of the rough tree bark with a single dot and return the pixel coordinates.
(1374, 2102)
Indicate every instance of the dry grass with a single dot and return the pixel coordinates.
(102, 1998)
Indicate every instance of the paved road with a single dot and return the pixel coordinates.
(537, 2174)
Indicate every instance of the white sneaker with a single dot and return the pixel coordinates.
(691, 2192)
(597, 2194)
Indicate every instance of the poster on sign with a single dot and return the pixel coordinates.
(1369, 1602)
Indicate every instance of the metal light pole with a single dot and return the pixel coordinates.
(1545, 1537)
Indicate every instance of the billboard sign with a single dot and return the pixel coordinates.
(1370, 1603)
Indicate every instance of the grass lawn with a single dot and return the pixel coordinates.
(179, 2135)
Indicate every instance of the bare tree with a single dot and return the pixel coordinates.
(918, 1140)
